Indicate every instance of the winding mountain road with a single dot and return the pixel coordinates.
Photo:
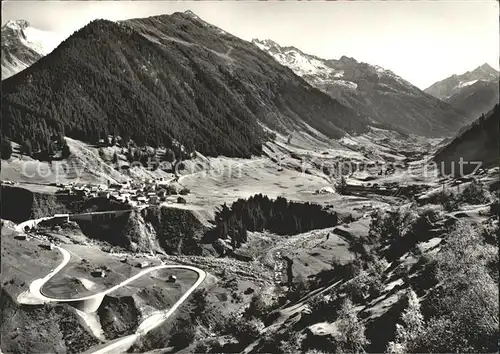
(120, 345)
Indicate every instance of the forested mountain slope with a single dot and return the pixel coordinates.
(166, 78)
(476, 99)
(478, 142)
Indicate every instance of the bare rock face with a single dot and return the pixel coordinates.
(446, 88)
(119, 316)
(475, 92)
(29, 205)
(23, 45)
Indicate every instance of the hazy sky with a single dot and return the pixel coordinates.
(422, 41)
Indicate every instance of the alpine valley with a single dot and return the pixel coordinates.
(168, 187)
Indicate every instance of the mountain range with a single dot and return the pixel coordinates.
(166, 78)
(23, 45)
(182, 79)
(372, 90)
(477, 142)
(475, 92)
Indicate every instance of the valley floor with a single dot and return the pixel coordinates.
(101, 259)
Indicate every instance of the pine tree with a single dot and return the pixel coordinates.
(169, 155)
(130, 155)
(410, 330)
(352, 331)
(65, 150)
(26, 148)
(342, 185)
(6, 148)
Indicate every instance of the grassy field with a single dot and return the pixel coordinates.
(24, 260)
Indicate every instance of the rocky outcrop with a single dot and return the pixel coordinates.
(157, 229)
(41, 329)
(21, 204)
(119, 316)
(178, 231)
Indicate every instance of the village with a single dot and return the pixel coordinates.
(132, 192)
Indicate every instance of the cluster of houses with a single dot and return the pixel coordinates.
(135, 193)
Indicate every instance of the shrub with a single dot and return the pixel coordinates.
(184, 191)
(182, 334)
(257, 307)
(244, 330)
(363, 285)
(427, 217)
(352, 338)
(392, 224)
(475, 193)
(170, 189)
(465, 307)
(323, 307)
(6, 151)
(395, 229)
(411, 329)
(299, 288)
(449, 200)
(289, 342)
(202, 347)
(200, 312)
(491, 231)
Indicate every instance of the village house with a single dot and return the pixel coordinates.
(115, 186)
(104, 194)
(100, 273)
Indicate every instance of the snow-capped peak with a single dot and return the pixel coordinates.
(23, 45)
(485, 72)
(16, 25)
(42, 42)
(302, 64)
(191, 14)
(466, 83)
(265, 43)
(450, 86)
(321, 71)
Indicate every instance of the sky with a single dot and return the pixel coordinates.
(421, 41)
